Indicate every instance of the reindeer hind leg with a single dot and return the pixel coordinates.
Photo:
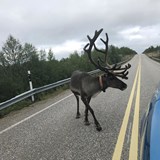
(77, 98)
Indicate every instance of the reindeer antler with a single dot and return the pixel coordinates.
(123, 74)
(112, 69)
(90, 46)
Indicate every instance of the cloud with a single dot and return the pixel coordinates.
(131, 23)
(141, 37)
(64, 49)
(132, 33)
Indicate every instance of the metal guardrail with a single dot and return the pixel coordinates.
(156, 59)
(27, 94)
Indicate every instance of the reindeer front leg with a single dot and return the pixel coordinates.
(85, 101)
(86, 121)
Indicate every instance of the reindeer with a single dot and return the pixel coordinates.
(86, 86)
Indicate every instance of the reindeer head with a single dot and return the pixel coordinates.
(111, 72)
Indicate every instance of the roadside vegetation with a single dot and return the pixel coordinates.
(153, 52)
(16, 59)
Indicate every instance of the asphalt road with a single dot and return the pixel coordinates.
(48, 130)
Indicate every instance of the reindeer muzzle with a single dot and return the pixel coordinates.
(124, 87)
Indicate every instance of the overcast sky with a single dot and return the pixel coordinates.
(63, 24)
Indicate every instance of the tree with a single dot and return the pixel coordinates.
(113, 55)
(151, 49)
(12, 52)
(50, 55)
(30, 52)
(42, 55)
(2, 59)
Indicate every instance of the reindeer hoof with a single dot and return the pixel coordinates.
(78, 116)
(99, 128)
(86, 123)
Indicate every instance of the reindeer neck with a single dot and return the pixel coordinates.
(103, 85)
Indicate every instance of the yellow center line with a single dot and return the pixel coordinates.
(119, 145)
(133, 152)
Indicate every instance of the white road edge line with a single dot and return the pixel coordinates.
(16, 124)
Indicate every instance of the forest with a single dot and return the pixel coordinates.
(152, 49)
(153, 52)
(16, 59)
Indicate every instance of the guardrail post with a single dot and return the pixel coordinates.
(30, 84)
